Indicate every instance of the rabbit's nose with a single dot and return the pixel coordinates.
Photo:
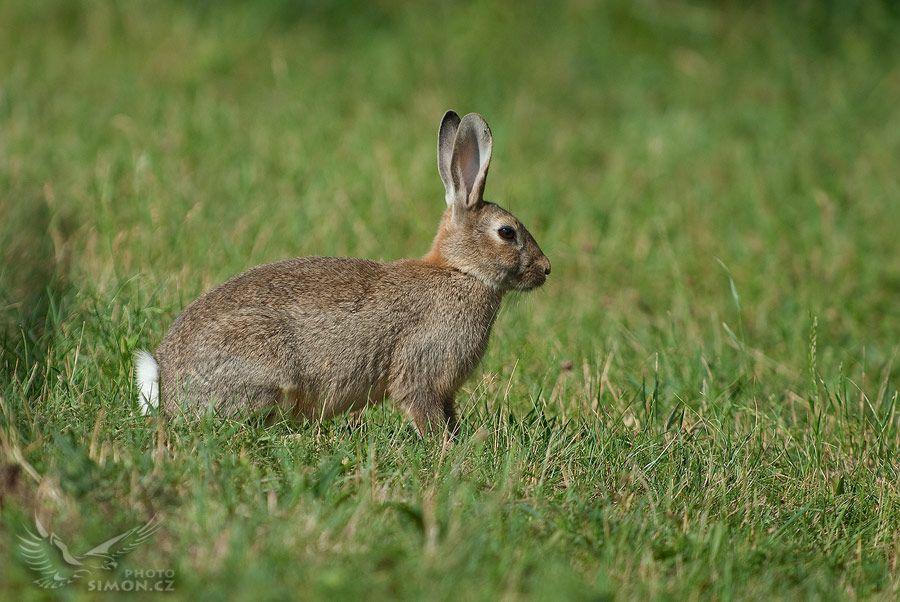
(547, 268)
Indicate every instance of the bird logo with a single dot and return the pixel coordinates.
(50, 557)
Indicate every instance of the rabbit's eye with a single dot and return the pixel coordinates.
(506, 233)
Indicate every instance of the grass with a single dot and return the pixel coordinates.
(701, 402)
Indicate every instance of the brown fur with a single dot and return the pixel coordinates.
(318, 336)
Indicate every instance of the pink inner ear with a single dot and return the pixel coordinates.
(469, 164)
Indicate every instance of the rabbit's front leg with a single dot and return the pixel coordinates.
(450, 416)
(431, 415)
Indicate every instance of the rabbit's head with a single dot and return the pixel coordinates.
(477, 237)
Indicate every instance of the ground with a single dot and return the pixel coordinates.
(701, 402)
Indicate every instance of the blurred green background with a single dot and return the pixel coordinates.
(716, 185)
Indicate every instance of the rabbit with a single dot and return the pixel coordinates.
(318, 336)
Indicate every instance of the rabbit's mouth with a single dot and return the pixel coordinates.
(534, 275)
(530, 281)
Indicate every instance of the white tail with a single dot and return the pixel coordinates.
(146, 377)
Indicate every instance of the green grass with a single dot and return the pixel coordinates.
(701, 402)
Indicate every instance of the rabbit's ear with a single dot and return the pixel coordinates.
(449, 125)
(470, 161)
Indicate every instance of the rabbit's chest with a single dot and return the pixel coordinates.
(439, 354)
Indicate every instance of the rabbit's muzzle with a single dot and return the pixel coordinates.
(534, 275)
